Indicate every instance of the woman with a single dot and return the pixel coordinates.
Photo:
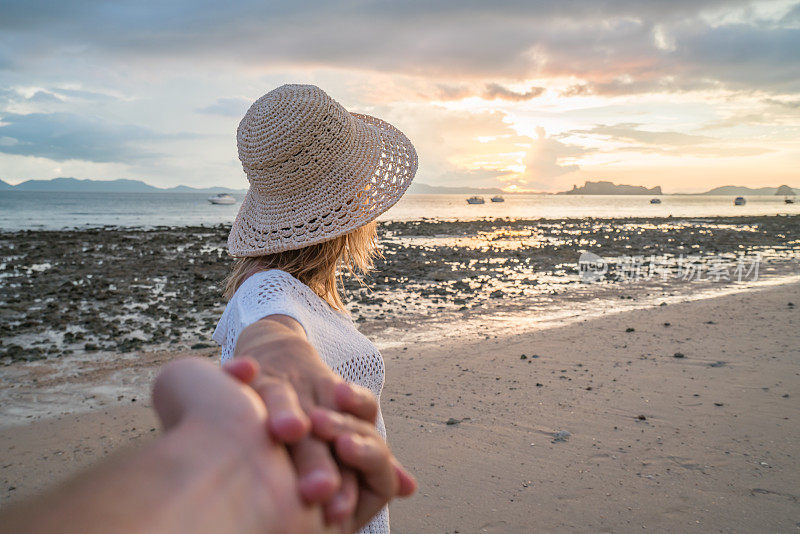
(319, 176)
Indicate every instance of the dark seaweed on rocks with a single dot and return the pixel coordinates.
(121, 290)
(110, 289)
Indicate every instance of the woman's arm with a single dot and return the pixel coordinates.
(294, 381)
(280, 346)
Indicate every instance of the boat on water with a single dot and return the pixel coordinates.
(222, 198)
(475, 200)
(655, 201)
(740, 201)
(498, 198)
(788, 200)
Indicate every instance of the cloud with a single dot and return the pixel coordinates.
(791, 104)
(740, 55)
(494, 90)
(66, 136)
(615, 47)
(544, 160)
(45, 97)
(83, 94)
(629, 132)
(735, 121)
(579, 89)
(472, 177)
(52, 95)
(792, 16)
(455, 147)
(672, 143)
(491, 91)
(453, 92)
(229, 107)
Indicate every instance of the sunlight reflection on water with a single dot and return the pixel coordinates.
(49, 210)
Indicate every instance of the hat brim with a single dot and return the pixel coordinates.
(381, 173)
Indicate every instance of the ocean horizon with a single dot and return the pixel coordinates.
(59, 211)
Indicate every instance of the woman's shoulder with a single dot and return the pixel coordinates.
(263, 293)
(271, 281)
(275, 285)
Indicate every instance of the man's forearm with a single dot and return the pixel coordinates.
(190, 480)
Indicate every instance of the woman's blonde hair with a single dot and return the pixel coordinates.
(318, 266)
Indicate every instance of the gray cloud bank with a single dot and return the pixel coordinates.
(66, 136)
(492, 91)
(617, 47)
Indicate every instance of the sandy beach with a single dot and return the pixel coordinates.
(678, 418)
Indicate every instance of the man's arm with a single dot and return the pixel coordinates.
(215, 470)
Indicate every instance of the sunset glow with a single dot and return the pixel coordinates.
(527, 97)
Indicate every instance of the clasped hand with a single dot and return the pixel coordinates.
(341, 468)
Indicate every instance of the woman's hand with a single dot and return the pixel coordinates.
(228, 474)
(359, 446)
(293, 382)
(293, 378)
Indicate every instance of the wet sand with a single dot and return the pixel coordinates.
(648, 440)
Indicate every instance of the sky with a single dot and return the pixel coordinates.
(522, 95)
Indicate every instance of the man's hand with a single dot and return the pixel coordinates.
(257, 487)
(214, 470)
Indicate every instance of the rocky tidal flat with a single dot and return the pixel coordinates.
(122, 290)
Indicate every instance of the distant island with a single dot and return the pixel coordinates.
(735, 190)
(67, 185)
(609, 188)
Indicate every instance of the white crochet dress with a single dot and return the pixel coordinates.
(332, 333)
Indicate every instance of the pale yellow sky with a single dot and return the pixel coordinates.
(688, 142)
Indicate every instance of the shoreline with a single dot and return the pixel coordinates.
(74, 384)
(459, 219)
(515, 321)
(717, 449)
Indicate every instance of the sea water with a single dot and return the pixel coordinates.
(23, 210)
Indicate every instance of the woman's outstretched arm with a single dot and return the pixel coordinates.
(294, 381)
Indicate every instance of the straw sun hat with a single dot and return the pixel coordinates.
(316, 171)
